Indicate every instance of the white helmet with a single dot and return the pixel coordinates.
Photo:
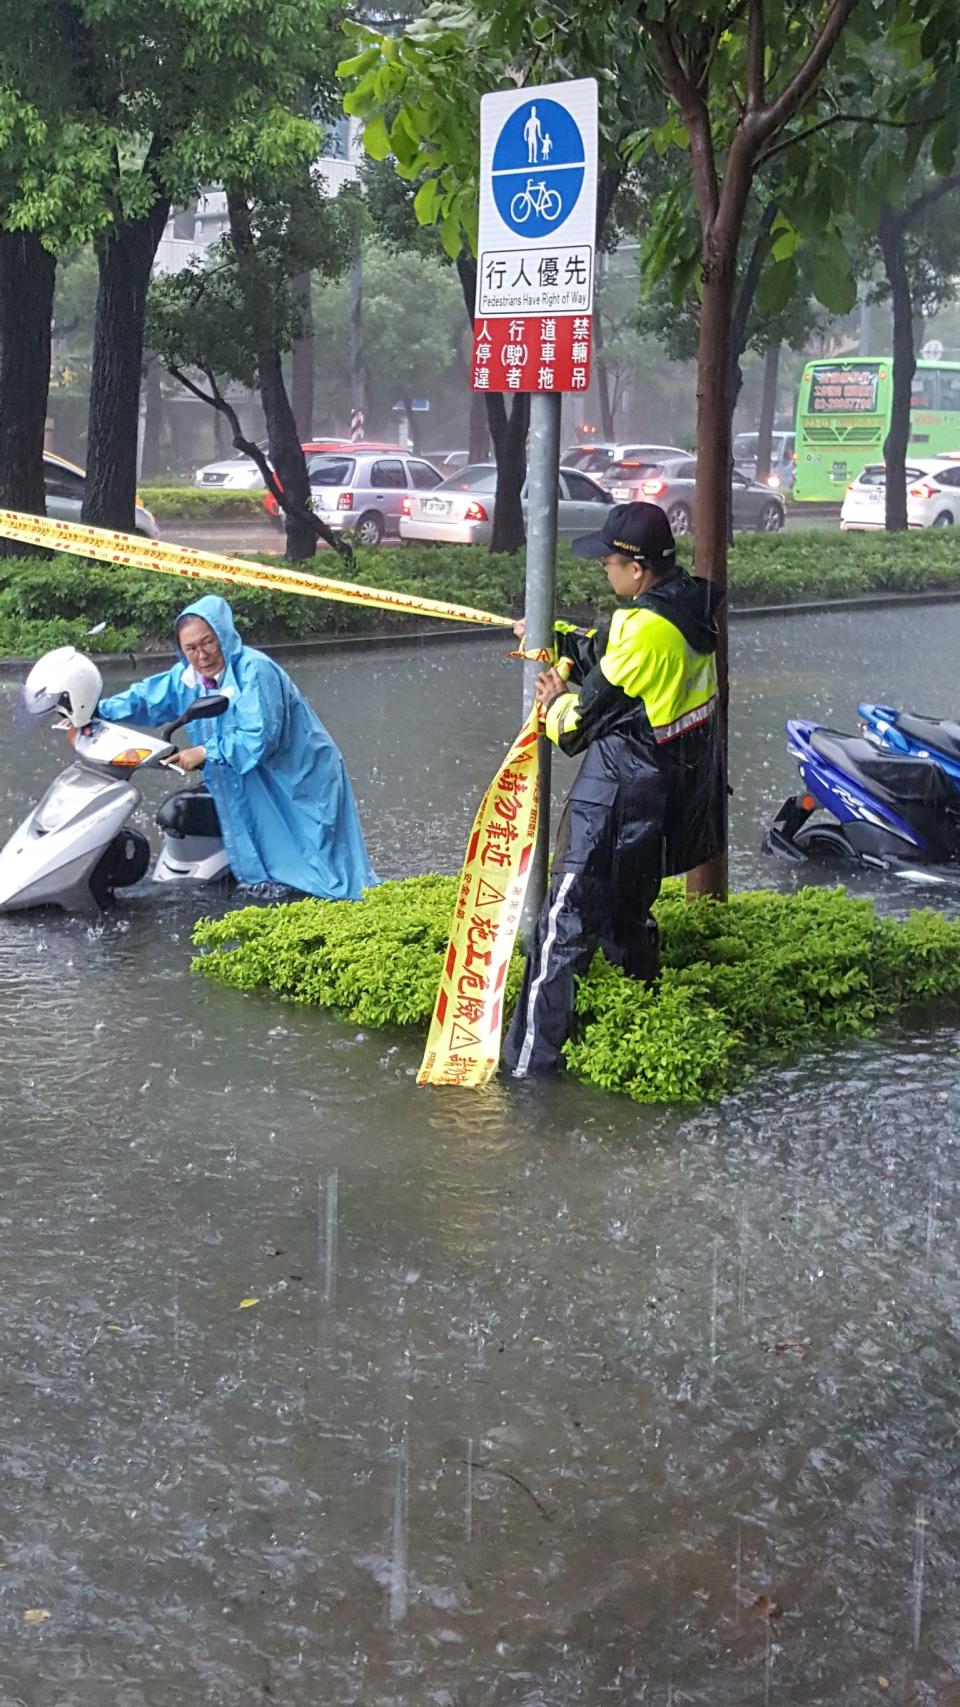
(63, 680)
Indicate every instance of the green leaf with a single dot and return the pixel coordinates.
(361, 62)
(777, 286)
(832, 278)
(376, 139)
(450, 236)
(425, 202)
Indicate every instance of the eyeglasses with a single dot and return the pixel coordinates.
(200, 646)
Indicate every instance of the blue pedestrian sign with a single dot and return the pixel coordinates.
(538, 195)
(539, 163)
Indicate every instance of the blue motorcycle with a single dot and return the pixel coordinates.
(936, 738)
(890, 810)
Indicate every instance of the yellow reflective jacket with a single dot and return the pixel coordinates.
(653, 668)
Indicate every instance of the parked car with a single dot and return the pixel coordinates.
(65, 482)
(365, 490)
(783, 459)
(933, 495)
(672, 484)
(239, 473)
(320, 447)
(596, 459)
(460, 510)
(447, 461)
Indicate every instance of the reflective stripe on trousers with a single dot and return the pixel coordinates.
(550, 937)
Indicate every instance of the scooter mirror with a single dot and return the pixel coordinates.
(214, 705)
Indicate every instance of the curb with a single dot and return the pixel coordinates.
(467, 632)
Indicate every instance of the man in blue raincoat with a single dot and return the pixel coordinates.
(286, 808)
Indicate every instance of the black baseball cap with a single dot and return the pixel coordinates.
(635, 530)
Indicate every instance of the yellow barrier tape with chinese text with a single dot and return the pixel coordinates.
(132, 552)
(463, 1045)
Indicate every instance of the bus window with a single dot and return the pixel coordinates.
(949, 390)
(837, 389)
(923, 391)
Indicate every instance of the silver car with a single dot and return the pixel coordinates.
(672, 485)
(365, 491)
(64, 482)
(460, 510)
(596, 459)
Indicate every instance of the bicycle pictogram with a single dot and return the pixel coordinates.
(537, 200)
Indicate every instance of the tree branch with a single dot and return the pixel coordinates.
(217, 401)
(909, 213)
(779, 112)
(693, 110)
(840, 118)
(756, 52)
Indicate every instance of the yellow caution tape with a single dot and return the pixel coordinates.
(133, 552)
(463, 1045)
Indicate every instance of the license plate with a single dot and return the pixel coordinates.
(839, 471)
(877, 494)
(435, 507)
(621, 493)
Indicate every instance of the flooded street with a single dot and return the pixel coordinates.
(318, 1388)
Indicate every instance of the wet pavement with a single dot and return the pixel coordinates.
(320, 1388)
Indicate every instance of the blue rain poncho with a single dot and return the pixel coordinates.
(280, 785)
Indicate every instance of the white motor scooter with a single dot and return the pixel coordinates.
(75, 848)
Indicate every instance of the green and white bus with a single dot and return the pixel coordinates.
(843, 417)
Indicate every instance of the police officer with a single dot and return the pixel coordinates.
(650, 797)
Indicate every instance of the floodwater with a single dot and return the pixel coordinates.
(542, 1398)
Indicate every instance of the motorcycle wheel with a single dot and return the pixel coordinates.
(123, 862)
(824, 841)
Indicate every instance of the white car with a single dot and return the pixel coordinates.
(236, 473)
(460, 510)
(65, 482)
(933, 494)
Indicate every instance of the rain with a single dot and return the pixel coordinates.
(320, 1387)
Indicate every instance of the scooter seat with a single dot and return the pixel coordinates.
(939, 734)
(884, 775)
(189, 812)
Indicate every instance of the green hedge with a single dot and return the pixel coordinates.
(36, 593)
(759, 978)
(202, 503)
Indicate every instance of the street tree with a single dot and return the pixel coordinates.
(132, 107)
(413, 335)
(234, 315)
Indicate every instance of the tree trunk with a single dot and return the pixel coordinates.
(302, 378)
(768, 411)
(153, 418)
(125, 262)
(892, 247)
(27, 273)
(510, 448)
(508, 434)
(479, 436)
(358, 375)
(285, 449)
(601, 371)
(714, 458)
(413, 426)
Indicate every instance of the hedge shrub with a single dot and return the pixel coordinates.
(756, 979)
(203, 503)
(764, 569)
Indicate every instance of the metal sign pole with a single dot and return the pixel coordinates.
(543, 491)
